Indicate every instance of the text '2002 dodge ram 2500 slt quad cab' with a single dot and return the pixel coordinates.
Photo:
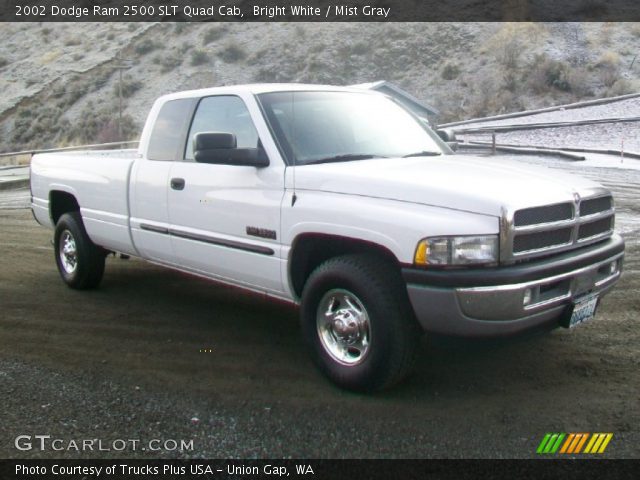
(346, 203)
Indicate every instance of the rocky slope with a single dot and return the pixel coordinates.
(60, 81)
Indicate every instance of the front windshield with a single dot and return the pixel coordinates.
(316, 127)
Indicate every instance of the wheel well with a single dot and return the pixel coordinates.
(61, 203)
(310, 250)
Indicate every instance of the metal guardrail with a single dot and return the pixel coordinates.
(540, 148)
(526, 113)
(539, 126)
(66, 149)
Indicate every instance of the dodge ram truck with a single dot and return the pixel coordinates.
(342, 201)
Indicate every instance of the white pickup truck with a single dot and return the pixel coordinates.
(346, 203)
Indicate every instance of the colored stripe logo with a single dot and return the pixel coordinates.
(573, 443)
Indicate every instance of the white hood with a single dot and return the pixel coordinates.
(474, 184)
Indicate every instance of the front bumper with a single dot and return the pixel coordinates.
(507, 300)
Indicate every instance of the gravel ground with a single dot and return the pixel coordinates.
(12, 199)
(126, 362)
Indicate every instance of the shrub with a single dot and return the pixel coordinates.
(608, 59)
(510, 52)
(557, 75)
(99, 125)
(396, 33)
(198, 57)
(609, 76)
(269, 74)
(360, 48)
(511, 81)
(232, 53)
(622, 86)
(145, 46)
(72, 41)
(214, 33)
(608, 65)
(129, 86)
(3, 62)
(168, 63)
(548, 73)
(450, 71)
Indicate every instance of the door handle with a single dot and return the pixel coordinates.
(177, 183)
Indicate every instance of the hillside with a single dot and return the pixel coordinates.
(60, 81)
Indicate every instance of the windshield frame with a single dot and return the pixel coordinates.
(282, 143)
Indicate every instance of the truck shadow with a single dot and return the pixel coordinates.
(190, 331)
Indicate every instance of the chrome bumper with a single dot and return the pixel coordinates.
(510, 307)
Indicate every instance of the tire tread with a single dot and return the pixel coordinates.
(91, 257)
(380, 276)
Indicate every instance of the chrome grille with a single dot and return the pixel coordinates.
(535, 241)
(546, 214)
(541, 230)
(593, 229)
(595, 205)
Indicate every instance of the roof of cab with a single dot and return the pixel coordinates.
(257, 88)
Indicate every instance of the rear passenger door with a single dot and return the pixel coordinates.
(225, 219)
(150, 181)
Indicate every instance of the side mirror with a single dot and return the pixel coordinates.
(220, 148)
(214, 141)
(449, 136)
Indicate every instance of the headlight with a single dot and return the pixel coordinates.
(476, 250)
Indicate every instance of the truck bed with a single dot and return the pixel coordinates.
(99, 180)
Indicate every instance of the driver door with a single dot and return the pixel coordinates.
(225, 219)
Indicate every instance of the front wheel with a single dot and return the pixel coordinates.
(357, 320)
(80, 261)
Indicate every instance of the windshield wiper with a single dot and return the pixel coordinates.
(344, 158)
(424, 153)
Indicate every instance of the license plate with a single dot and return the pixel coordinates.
(583, 311)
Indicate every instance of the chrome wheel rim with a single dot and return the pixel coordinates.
(343, 327)
(68, 252)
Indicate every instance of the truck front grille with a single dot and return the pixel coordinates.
(535, 241)
(593, 229)
(546, 229)
(595, 205)
(546, 214)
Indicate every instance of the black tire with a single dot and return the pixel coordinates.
(83, 267)
(376, 286)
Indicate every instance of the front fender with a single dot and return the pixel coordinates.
(395, 225)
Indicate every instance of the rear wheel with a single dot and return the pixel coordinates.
(357, 320)
(80, 261)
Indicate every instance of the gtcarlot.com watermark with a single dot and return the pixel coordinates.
(47, 443)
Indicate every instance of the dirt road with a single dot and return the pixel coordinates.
(127, 361)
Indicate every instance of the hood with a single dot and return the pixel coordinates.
(475, 184)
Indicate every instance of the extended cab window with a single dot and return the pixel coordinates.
(226, 114)
(167, 138)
